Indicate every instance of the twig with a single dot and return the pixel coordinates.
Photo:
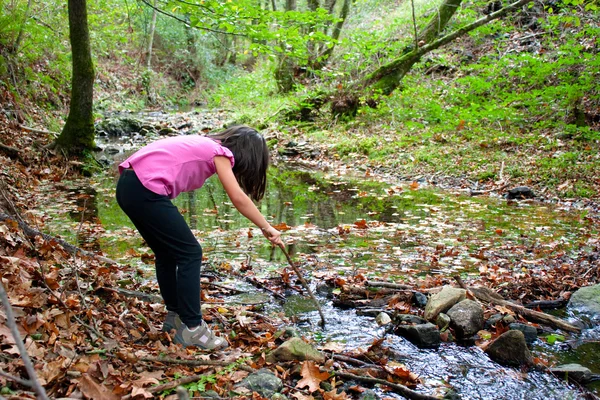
(30, 232)
(388, 285)
(10, 321)
(26, 229)
(20, 381)
(403, 390)
(225, 287)
(299, 274)
(34, 130)
(195, 363)
(170, 385)
(486, 295)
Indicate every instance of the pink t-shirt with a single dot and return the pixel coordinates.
(176, 164)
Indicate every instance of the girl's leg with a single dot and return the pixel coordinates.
(169, 236)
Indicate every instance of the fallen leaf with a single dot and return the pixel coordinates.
(311, 376)
(92, 390)
(282, 227)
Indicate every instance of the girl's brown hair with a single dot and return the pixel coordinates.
(251, 156)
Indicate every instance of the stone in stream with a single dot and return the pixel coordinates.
(520, 192)
(419, 299)
(510, 349)
(493, 320)
(443, 321)
(530, 332)
(383, 319)
(466, 317)
(295, 349)
(263, 382)
(408, 319)
(425, 336)
(118, 127)
(442, 301)
(575, 372)
(586, 301)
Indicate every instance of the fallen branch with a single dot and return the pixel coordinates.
(255, 282)
(195, 363)
(388, 285)
(29, 231)
(34, 130)
(403, 390)
(303, 282)
(547, 304)
(169, 385)
(488, 296)
(12, 152)
(185, 379)
(147, 297)
(33, 382)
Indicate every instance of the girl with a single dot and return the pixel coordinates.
(159, 172)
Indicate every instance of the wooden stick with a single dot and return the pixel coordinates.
(196, 363)
(71, 249)
(403, 390)
(484, 294)
(299, 274)
(10, 321)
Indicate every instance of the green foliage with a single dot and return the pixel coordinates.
(200, 385)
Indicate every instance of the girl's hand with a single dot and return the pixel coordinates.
(273, 235)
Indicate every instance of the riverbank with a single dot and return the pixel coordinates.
(409, 233)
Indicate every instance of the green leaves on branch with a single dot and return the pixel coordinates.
(268, 32)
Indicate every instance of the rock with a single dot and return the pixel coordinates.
(425, 336)
(586, 301)
(210, 394)
(520, 192)
(119, 126)
(166, 131)
(295, 349)
(443, 321)
(383, 319)
(492, 321)
(408, 319)
(264, 382)
(510, 349)
(530, 332)
(324, 289)
(576, 372)
(287, 333)
(467, 318)
(442, 301)
(419, 299)
(368, 394)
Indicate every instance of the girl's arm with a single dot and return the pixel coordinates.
(242, 202)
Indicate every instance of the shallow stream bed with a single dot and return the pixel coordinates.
(385, 231)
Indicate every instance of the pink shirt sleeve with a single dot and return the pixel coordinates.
(176, 164)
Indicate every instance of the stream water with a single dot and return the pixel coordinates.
(383, 230)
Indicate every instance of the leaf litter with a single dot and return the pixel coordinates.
(90, 339)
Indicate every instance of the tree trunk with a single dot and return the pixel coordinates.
(77, 135)
(15, 47)
(284, 72)
(337, 30)
(151, 37)
(388, 77)
(437, 24)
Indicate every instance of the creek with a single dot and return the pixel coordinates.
(383, 230)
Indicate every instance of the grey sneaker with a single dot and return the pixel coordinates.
(172, 321)
(201, 337)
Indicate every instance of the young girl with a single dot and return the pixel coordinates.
(159, 172)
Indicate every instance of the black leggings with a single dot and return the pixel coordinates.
(178, 253)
